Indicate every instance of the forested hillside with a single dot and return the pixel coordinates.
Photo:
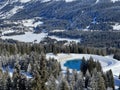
(25, 67)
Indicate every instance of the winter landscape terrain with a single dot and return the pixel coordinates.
(38, 37)
(107, 62)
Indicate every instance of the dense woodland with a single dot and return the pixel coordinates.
(74, 15)
(11, 47)
(32, 71)
(92, 38)
(47, 75)
(23, 66)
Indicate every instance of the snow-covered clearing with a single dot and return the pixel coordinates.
(114, 1)
(97, 1)
(24, 1)
(7, 32)
(58, 31)
(57, 0)
(107, 62)
(31, 37)
(70, 0)
(116, 26)
(62, 39)
(31, 23)
(27, 37)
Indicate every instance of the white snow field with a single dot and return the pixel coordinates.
(62, 39)
(57, 0)
(107, 62)
(7, 32)
(24, 1)
(27, 37)
(31, 23)
(97, 1)
(116, 26)
(31, 37)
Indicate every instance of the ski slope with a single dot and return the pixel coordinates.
(107, 62)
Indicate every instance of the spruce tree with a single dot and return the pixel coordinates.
(68, 75)
(110, 79)
(51, 84)
(63, 85)
(37, 82)
(101, 82)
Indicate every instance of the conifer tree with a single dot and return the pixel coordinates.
(83, 67)
(110, 79)
(37, 82)
(51, 83)
(101, 82)
(68, 75)
(63, 85)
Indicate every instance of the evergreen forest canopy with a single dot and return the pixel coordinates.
(23, 66)
(47, 75)
(43, 74)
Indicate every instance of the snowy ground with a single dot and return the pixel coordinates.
(116, 26)
(31, 23)
(27, 37)
(107, 62)
(11, 70)
(58, 30)
(7, 32)
(62, 39)
(31, 37)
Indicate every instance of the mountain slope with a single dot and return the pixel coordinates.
(66, 14)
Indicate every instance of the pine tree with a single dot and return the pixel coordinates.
(22, 83)
(80, 83)
(63, 85)
(43, 70)
(51, 83)
(110, 79)
(16, 80)
(101, 82)
(9, 84)
(93, 84)
(87, 78)
(83, 67)
(68, 75)
(37, 82)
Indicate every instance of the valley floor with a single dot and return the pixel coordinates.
(31, 37)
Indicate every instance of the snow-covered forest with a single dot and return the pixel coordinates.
(26, 66)
(59, 44)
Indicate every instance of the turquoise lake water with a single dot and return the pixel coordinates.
(73, 64)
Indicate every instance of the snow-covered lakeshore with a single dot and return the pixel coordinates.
(107, 62)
